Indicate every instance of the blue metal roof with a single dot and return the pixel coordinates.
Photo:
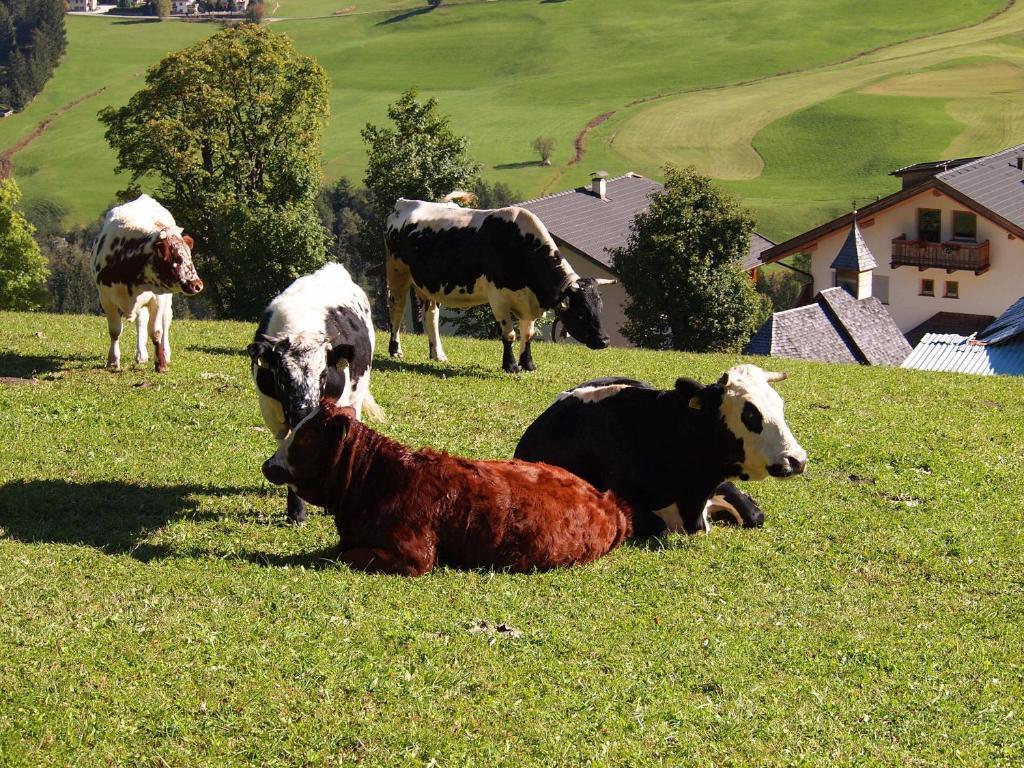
(954, 353)
(1006, 326)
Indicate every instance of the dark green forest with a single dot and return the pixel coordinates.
(32, 40)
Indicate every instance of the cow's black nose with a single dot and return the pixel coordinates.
(600, 343)
(275, 473)
(795, 464)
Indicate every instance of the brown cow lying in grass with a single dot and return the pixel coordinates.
(403, 511)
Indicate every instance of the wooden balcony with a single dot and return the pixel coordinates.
(950, 256)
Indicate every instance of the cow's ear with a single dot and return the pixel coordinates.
(691, 392)
(340, 355)
(187, 239)
(259, 351)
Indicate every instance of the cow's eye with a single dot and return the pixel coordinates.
(751, 418)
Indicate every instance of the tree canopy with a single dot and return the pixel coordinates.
(419, 157)
(32, 40)
(23, 269)
(229, 130)
(679, 267)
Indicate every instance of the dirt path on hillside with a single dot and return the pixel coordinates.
(580, 142)
(7, 156)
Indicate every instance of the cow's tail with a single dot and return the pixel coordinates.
(461, 195)
(372, 409)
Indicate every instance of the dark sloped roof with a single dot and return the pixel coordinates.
(869, 325)
(804, 333)
(855, 253)
(836, 328)
(1007, 327)
(994, 181)
(945, 323)
(595, 227)
(935, 165)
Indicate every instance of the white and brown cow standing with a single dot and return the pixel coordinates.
(140, 258)
(505, 257)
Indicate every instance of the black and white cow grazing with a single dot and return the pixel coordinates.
(315, 339)
(670, 453)
(139, 259)
(505, 257)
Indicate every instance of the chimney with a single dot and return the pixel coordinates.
(599, 184)
(1020, 163)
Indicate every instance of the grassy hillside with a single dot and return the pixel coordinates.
(156, 610)
(510, 70)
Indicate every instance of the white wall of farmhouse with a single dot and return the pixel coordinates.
(987, 294)
(613, 316)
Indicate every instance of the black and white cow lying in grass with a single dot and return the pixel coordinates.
(670, 453)
(315, 339)
(505, 257)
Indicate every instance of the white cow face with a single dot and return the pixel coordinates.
(753, 412)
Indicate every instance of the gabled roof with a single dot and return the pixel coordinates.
(595, 227)
(991, 186)
(855, 253)
(958, 323)
(1008, 327)
(835, 328)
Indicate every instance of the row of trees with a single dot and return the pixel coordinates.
(32, 40)
(228, 131)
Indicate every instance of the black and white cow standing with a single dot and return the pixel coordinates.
(315, 339)
(139, 259)
(670, 453)
(505, 257)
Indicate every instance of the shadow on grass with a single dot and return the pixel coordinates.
(113, 517)
(407, 15)
(26, 366)
(320, 559)
(138, 21)
(515, 166)
(215, 350)
(434, 369)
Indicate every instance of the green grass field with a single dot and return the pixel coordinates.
(728, 86)
(157, 611)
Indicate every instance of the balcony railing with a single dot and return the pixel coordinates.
(948, 256)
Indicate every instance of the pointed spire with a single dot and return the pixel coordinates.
(855, 253)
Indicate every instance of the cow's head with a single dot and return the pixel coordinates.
(753, 413)
(172, 262)
(298, 370)
(306, 458)
(579, 308)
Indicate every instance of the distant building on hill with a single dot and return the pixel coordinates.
(589, 222)
(184, 7)
(997, 349)
(83, 6)
(946, 249)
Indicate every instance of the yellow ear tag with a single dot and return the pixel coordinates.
(695, 403)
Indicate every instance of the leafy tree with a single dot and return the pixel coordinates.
(679, 269)
(231, 129)
(161, 8)
(255, 13)
(497, 195)
(545, 147)
(418, 157)
(23, 269)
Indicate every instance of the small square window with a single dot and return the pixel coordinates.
(927, 287)
(952, 289)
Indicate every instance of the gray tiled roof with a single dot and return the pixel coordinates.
(869, 325)
(855, 253)
(959, 323)
(994, 181)
(595, 227)
(835, 328)
(1008, 327)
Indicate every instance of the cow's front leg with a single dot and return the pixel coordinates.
(527, 329)
(142, 322)
(156, 334)
(296, 508)
(432, 319)
(114, 327)
(730, 505)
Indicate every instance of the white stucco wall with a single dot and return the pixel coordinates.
(987, 294)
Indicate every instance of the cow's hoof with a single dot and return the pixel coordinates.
(394, 349)
(161, 367)
(511, 368)
(528, 365)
